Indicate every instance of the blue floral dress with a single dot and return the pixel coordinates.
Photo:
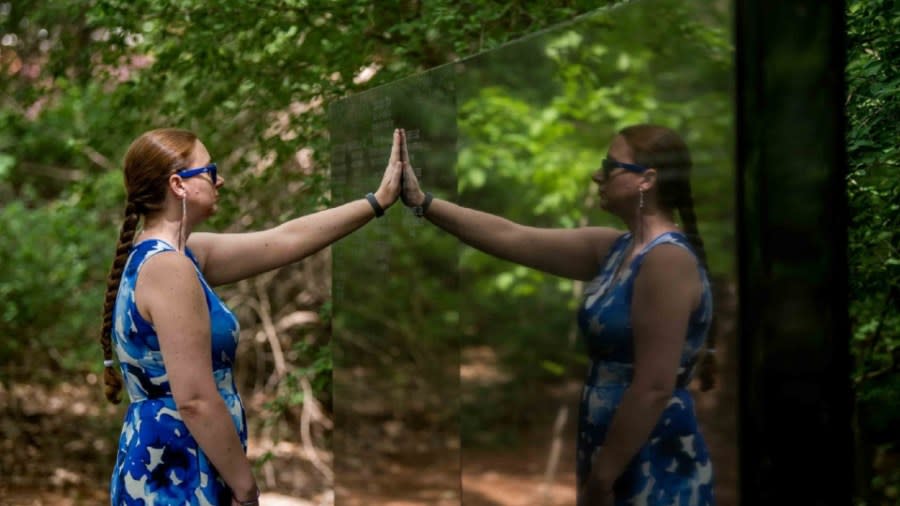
(673, 466)
(159, 462)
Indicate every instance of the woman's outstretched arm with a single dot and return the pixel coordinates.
(571, 253)
(226, 258)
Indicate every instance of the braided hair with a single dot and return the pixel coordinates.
(664, 150)
(149, 162)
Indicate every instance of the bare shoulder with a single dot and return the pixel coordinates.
(167, 281)
(668, 263)
(168, 274)
(172, 262)
(602, 238)
(201, 243)
(603, 233)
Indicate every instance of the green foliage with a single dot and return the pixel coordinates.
(527, 154)
(53, 277)
(81, 79)
(873, 191)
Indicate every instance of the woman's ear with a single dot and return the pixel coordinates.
(176, 185)
(649, 179)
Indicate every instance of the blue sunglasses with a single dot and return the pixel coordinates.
(609, 164)
(211, 168)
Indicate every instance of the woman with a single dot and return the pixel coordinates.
(184, 436)
(645, 317)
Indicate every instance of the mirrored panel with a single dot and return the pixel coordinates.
(518, 132)
(395, 299)
(536, 119)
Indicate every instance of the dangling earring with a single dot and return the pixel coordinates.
(181, 225)
(641, 212)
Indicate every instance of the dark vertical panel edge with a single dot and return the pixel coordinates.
(840, 269)
(747, 237)
(779, 464)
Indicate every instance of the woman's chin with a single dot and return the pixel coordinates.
(213, 209)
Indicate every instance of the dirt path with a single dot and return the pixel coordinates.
(57, 448)
(518, 475)
(57, 445)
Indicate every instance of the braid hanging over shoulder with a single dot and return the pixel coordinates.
(111, 376)
(664, 149)
(708, 366)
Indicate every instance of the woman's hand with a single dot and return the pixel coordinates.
(595, 493)
(411, 194)
(389, 189)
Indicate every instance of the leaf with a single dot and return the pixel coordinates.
(7, 162)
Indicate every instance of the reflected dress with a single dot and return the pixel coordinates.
(158, 461)
(672, 467)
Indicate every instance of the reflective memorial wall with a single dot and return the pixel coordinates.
(395, 319)
(457, 376)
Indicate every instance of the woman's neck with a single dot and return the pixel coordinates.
(165, 227)
(648, 225)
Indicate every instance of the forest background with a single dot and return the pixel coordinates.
(81, 79)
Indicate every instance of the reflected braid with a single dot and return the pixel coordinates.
(707, 368)
(112, 378)
(689, 220)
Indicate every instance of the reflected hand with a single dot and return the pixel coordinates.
(389, 189)
(411, 194)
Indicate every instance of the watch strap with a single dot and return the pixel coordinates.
(379, 211)
(422, 208)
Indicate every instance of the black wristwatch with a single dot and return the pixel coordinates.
(420, 209)
(379, 211)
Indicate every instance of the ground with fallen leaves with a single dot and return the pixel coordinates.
(57, 447)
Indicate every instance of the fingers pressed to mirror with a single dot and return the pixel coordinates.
(404, 155)
(405, 147)
(395, 147)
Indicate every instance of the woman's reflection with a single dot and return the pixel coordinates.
(645, 316)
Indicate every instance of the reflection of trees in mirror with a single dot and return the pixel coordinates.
(394, 337)
(527, 150)
(531, 161)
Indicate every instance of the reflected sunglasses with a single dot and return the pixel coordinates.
(211, 168)
(611, 163)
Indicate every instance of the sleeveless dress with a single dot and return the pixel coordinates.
(673, 466)
(158, 461)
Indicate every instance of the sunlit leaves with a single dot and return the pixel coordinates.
(539, 153)
(873, 191)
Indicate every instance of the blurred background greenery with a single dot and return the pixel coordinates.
(81, 79)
